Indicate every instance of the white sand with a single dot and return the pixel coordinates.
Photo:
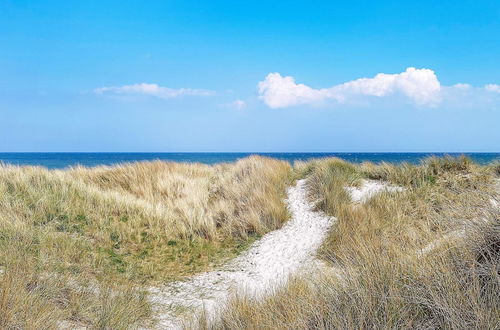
(266, 265)
(368, 189)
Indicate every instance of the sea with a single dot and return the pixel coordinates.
(60, 160)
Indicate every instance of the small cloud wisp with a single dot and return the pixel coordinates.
(152, 90)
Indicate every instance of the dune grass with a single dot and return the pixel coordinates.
(378, 277)
(78, 245)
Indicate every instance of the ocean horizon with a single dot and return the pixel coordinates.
(60, 160)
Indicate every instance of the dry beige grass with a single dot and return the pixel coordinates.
(76, 244)
(384, 282)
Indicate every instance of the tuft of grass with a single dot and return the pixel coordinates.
(326, 179)
(495, 168)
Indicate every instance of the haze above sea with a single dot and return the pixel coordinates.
(59, 160)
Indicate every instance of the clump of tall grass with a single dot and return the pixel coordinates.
(326, 179)
(377, 276)
(495, 168)
(76, 244)
(431, 169)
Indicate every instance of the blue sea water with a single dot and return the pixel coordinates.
(61, 160)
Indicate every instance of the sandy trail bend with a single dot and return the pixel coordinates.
(368, 189)
(266, 265)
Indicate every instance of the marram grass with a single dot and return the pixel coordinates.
(79, 244)
(78, 247)
(377, 276)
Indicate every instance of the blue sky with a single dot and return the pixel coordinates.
(253, 76)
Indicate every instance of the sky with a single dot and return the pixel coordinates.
(252, 76)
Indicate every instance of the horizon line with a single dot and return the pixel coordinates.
(246, 152)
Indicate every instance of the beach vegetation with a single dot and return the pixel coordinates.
(82, 244)
(426, 256)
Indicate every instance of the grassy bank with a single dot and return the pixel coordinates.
(77, 244)
(389, 266)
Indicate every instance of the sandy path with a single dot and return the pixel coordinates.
(369, 188)
(266, 265)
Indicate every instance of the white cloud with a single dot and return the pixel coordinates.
(152, 90)
(238, 104)
(419, 85)
(462, 86)
(492, 88)
(281, 92)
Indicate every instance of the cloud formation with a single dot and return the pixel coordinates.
(492, 88)
(237, 104)
(152, 90)
(421, 86)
